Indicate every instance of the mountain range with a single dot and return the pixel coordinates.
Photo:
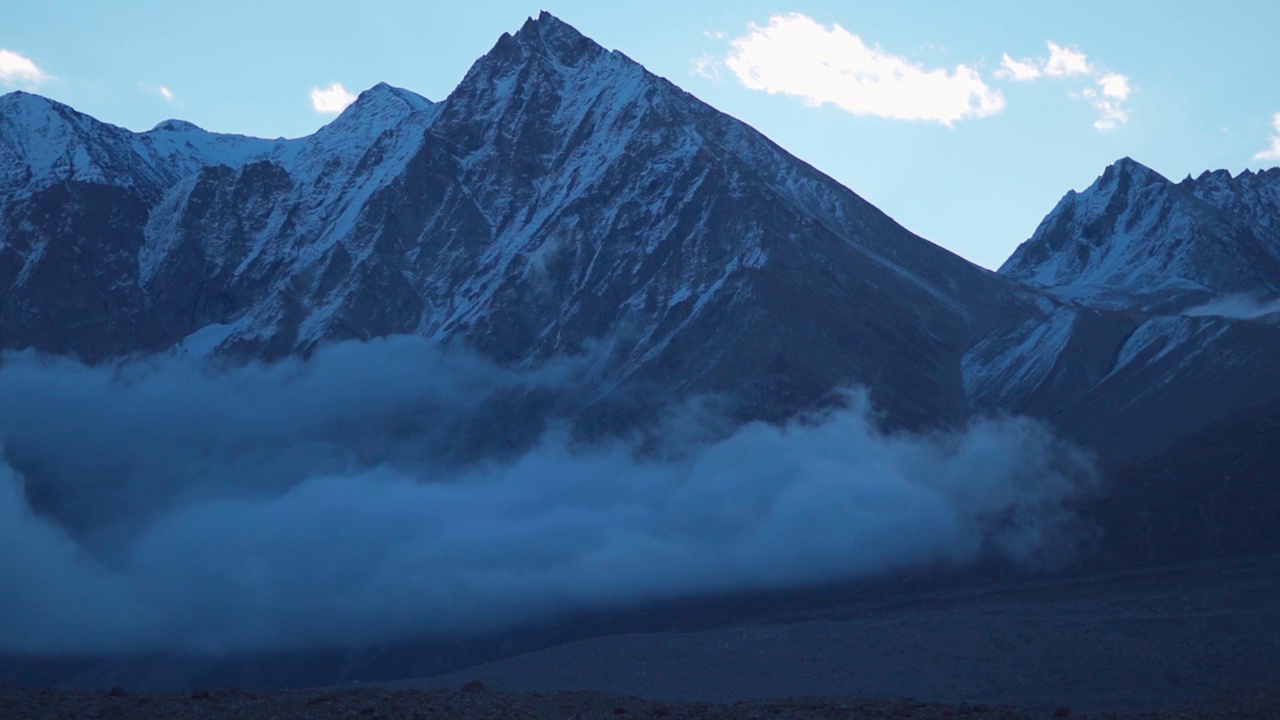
(564, 202)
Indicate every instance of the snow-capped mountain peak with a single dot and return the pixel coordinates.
(1135, 239)
(560, 198)
(28, 110)
(47, 142)
(176, 126)
(1252, 196)
(382, 103)
(556, 40)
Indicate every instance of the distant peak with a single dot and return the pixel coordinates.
(33, 108)
(1220, 175)
(1126, 170)
(1129, 165)
(546, 23)
(382, 89)
(550, 36)
(383, 95)
(20, 98)
(1223, 178)
(174, 125)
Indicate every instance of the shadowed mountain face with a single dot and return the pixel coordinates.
(1214, 494)
(560, 201)
(1168, 319)
(1172, 331)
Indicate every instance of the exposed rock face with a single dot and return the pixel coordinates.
(561, 200)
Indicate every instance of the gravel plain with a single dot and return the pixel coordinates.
(1129, 640)
(1194, 640)
(476, 702)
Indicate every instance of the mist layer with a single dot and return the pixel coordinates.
(171, 504)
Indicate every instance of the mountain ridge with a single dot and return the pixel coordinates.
(563, 201)
(1134, 238)
(560, 197)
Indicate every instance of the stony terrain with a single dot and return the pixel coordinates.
(1125, 641)
(1122, 640)
(474, 701)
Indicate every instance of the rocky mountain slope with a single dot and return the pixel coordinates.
(1135, 240)
(1166, 321)
(1214, 494)
(564, 202)
(561, 201)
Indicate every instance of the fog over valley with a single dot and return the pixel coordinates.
(176, 504)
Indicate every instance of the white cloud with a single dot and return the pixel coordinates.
(18, 70)
(331, 100)
(1273, 152)
(1115, 86)
(1066, 62)
(706, 66)
(1017, 70)
(1110, 101)
(1109, 97)
(165, 93)
(795, 55)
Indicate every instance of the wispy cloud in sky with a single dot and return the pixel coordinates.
(331, 100)
(1018, 69)
(1113, 92)
(707, 66)
(1273, 152)
(1110, 91)
(163, 91)
(17, 69)
(795, 55)
(1066, 62)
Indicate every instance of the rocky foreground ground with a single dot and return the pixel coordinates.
(474, 701)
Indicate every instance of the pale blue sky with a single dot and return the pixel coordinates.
(1200, 88)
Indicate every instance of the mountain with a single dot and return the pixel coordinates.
(1126, 384)
(1133, 239)
(562, 201)
(1213, 494)
(77, 196)
(1163, 326)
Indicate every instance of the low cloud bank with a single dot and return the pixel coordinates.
(173, 505)
(1240, 307)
